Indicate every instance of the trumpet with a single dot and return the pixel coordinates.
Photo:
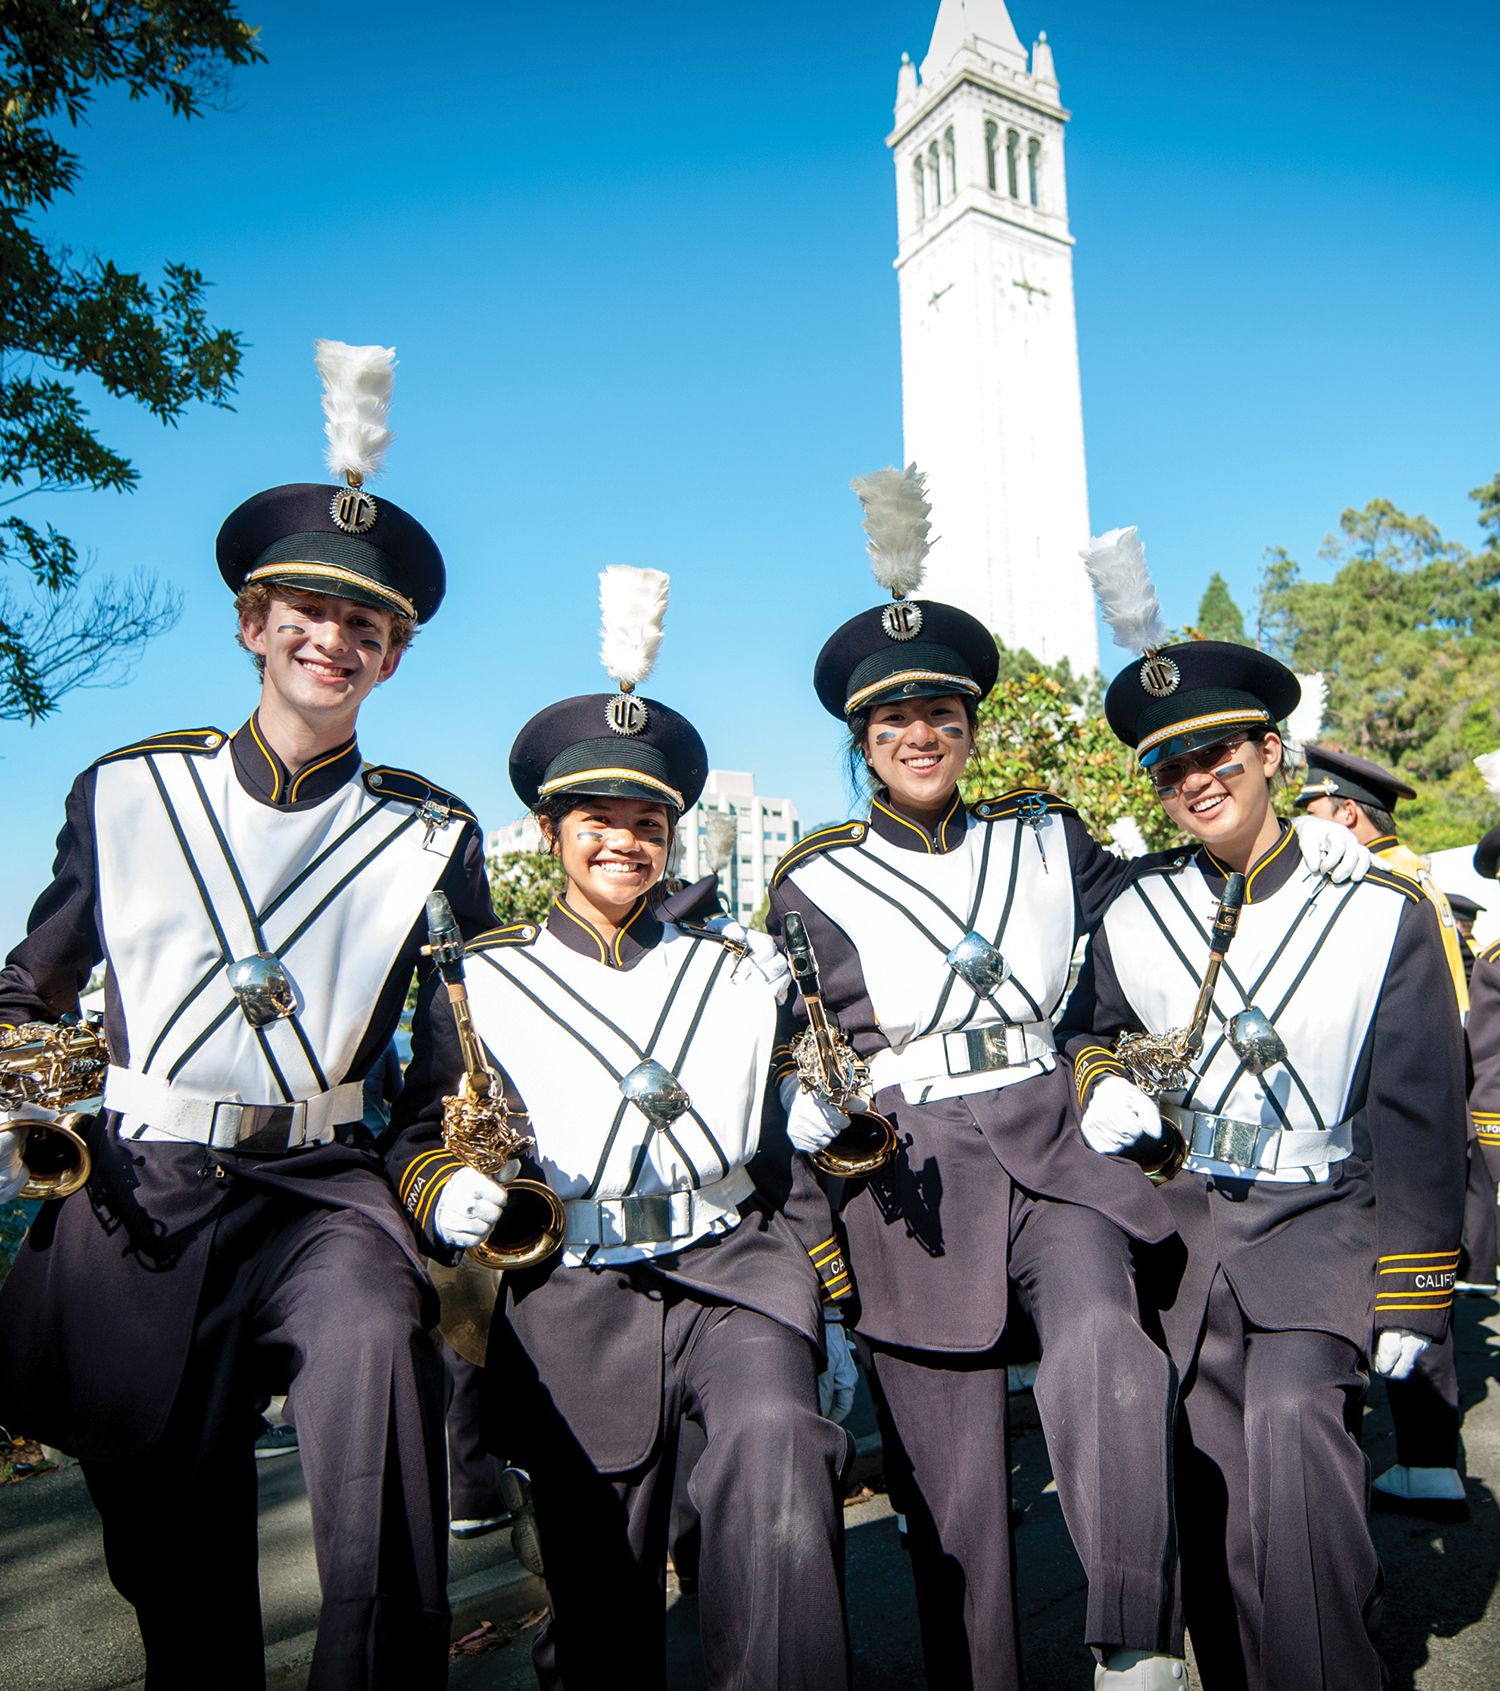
(54, 1065)
(479, 1126)
(827, 1064)
(1159, 1063)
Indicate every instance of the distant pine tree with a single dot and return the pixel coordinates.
(1219, 618)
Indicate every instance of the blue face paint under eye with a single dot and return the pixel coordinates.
(948, 728)
(372, 645)
(885, 739)
(290, 628)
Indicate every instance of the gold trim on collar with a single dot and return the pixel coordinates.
(1288, 834)
(273, 572)
(312, 768)
(266, 753)
(579, 921)
(905, 821)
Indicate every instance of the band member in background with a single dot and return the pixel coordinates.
(1323, 1193)
(1424, 1480)
(993, 1191)
(1466, 912)
(642, 1051)
(1480, 1228)
(258, 900)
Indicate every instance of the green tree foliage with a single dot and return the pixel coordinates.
(1219, 618)
(524, 883)
(1042, 728)
(1408, 634)
(64, 314)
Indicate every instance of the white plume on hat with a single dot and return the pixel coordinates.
(1305, 723)
(1489, 767)
(720, 832)
(896, 507)
(634, 604)
(357, 383)
(1116, 565)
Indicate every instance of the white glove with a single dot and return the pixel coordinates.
(13, 1175)
(1119, 1113)
(1330, 849)
(837, 1381)
(1396, 1352)
(468, 1207)
(811, 1121)
(764, 958)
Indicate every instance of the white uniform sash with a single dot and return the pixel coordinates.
(1007, 880)
(566, 1029)
(1312, 958)
(195, 873)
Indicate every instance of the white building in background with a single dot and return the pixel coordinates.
(989, 350)
(767, 828)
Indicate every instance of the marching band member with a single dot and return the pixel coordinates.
(257, 898)
(944, 937)
(1322, 1196)
(1480, 1221)
(1424, 1480)
(641, 1050)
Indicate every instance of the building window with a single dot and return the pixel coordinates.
(950, 158)
(919, 187)
(991, 146)
(1033, 162)
(1013, 163)
(936, 174)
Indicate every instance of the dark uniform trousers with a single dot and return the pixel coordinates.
(1281, 1585)
(319, 1302)
(1104, 1392)
(473, 1474)
(765, 1488)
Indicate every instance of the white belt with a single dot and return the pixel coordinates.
(657, 1217)
(1002, 1045)
(169, 1112)
(1268, 1150)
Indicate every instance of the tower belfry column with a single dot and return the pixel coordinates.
(989, 347)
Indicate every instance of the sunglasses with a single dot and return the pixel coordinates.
(1168, 777)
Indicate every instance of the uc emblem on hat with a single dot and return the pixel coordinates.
(353, 511)
(1160, 676)
(902, 621)
(626, 714)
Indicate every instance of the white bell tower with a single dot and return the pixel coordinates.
(989, 350)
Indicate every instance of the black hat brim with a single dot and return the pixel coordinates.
(861, 666)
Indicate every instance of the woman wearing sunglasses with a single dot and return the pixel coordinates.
(944, 934)
(1322, 1198)
(641, 1047)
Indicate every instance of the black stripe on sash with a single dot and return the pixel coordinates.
(984, 869)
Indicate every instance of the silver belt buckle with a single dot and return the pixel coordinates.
(649, 1219)
(987, 1049)
(1227, 1141)
(264, 1128)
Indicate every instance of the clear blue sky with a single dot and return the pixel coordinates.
(636, 264)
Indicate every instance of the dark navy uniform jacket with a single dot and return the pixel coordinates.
(927, 1234)
(1388, 1221)
(97, 1315)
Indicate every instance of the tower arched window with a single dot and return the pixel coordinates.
(934, 167)
(1013, 163)
(991, 147)
(950, 164)
(1033, 167)
(919, 186)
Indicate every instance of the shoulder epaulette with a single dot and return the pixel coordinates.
(1163, 862)
(1393, 878)
(1490, 954)
(1021, 801)
(821, 839)
(387, 783)
(513, 933)
(203, 741)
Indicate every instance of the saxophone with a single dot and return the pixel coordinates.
(1159, 1063)
(479, 1127)
(53, 1066)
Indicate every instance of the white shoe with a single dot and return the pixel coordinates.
(1137, 1670)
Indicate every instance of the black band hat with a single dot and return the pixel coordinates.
(340, 540)
(1184, 696)
(1338, 775)
(616, 745)
(1464, 907)
(1487, 855)
(562, 750)
(911, 648)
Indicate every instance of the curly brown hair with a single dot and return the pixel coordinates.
(253, 603)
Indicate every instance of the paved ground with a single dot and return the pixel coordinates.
(63, 1629)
